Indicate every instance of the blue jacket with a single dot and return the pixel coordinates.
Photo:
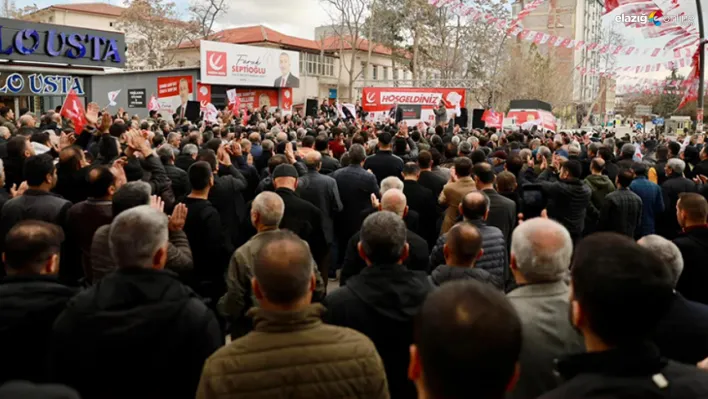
(652, 204)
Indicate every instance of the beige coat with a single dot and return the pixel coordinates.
(295, 355)
(451, 195)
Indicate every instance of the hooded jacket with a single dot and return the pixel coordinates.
(444, 273)
(381, 302)
(600, 185)
(138, 333)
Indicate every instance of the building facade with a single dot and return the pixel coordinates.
(99, 16)
(579, 20)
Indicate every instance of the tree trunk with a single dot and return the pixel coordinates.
(371, 40)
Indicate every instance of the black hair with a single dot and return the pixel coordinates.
(100, 179)
(200, 174)
(36, 169)
(574, 168)
(321, 142)
(625, 177)
(514, 165)
(117, 129)
(16, 146)
(30, 244)
(425, 159)
(484, 172)
(4, 111)
(674, 147)
(471, 323)
(478, 156)
(129, 196)
(622, 288)
(605, 153)
(463, 166)
(308, 141)
(213, 144)
(40, 137)
(209, 157)
(411, 168)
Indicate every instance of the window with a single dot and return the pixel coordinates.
(385, 73)
(374, 72)
(316, 64)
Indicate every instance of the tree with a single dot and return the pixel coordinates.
(204, 14)
(348, 18)
(384, 26)
(668, 102)
(152, 29)
(19, 13)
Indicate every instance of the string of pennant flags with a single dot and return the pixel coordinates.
(680, 46)
(654, 67)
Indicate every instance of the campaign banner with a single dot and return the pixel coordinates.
(540, 117)
(378, 101)
(174, 92)
(235, 64)
(258, 98)
(203, 95)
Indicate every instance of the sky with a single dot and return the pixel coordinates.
(300, 17)
(293, 17)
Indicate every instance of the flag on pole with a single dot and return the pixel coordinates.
(153, 105)
(73, 109)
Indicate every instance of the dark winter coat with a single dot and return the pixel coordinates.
(674, 185)
(567, 202)
(444, 273)
(693, 282)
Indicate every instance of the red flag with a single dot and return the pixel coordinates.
(153, 105)
(73, 109)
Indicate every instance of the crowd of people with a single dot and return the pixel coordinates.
(147, 259)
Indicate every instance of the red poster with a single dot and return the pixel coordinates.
(174, 91)
(258, 97)
(203, 95)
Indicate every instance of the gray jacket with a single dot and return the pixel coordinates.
(440, 115)
(547, 335)
(494, 260)
(179, 255)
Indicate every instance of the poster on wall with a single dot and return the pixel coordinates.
(136, 98)
(173, 92)
(258, 98)
(234, 64)
(286, 101)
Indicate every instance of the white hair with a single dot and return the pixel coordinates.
(456, 140)
(574, 148)
(666, 251)
(676, 165)
(389, 183)
(129, 249)
(542, 249)
(270, 207)
(190, 149)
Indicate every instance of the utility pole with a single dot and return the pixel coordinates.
(701, 67)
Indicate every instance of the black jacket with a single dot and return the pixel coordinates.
(381, 303)
(502, 213)
(180, 181)
(305, 220)
(432, 182)
(693, 283)
(682, 335)
(28, 307)
(701, 168)
(211, 249)
(621, 212)
(184, 161)
(13, 171)
(355, 187)
(444, 273)
(353, 264)
(138, 333)
(72, 185)
(227, 198)
(329, 164)
(667, 225)
(384, 164)
(627, 373)
(424, 202)
(567, 202)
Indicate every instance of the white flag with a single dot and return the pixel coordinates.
(112, 95)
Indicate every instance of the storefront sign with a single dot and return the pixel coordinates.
(136, 98)
(233, 64)
(29, 41)
(19, 84)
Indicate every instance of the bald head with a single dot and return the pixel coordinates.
(475, 206)
(313, 160)
(463, 245)
(27, 120)
(394, 201)
(283, 269)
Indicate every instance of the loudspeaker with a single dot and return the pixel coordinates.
(192, 111)
(463, 118)
(477, 122)
(311, 107)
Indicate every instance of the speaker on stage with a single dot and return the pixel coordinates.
(477, 122)
(311, 107)
(462, 120)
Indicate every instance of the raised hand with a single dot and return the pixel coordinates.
(157, 203)
(178, 218)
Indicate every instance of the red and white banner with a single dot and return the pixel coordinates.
(73, 109)
(174, 91)
(378, 101)
(153, 104)
(547, 120)
(258, 98)
(203, 95)
(492, 118)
